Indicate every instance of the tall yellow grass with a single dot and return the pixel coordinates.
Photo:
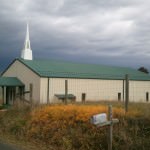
(68, 126)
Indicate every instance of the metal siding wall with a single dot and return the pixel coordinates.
(95, 89)
(138, 89)
(27, 76)
(43, 90)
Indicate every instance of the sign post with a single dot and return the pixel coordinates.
(110, 130)
(100, 120)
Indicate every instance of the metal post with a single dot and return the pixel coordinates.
(13, 95)
(48, 91)
(5, 96)
(22, 93)
(127, 92)
(66, 91)
(110, 130)
(3, 93)
(31, 90)
(123, 90)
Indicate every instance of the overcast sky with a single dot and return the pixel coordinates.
(111, 32)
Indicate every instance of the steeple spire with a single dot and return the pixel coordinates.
(27, 52)
(27, 40)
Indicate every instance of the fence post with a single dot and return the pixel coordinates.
(66, 91)
(48, 91)
(110, 130)
(127, 92)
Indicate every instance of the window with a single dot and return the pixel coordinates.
(119, 96)
(83, 97)
(147, 96)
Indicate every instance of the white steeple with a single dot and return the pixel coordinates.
(27, 52)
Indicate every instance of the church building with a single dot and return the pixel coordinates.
(50, 81)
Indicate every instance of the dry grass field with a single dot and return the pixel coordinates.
(67, 127)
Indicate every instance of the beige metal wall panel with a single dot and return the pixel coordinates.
(94, 89)
(43, 90)
(27, 76)
(138, 90)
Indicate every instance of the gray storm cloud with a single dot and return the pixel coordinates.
(109, 32)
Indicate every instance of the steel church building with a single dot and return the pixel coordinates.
(43, 81)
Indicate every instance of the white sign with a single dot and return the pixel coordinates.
(99, 118)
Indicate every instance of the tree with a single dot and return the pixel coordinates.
(143, 69)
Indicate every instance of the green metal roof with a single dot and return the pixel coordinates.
(61, 69)
(10, 81)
